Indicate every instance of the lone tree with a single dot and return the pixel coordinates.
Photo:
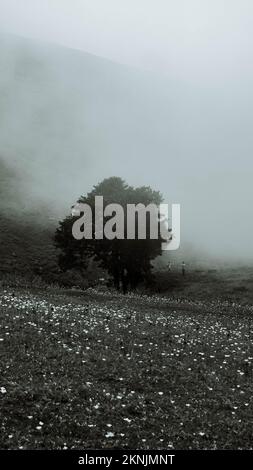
(128, 261)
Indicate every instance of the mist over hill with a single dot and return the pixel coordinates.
(69, 119)
(26, 233)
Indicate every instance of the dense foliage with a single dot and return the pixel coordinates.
(127, 261)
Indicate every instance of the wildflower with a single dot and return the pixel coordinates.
(128, 420)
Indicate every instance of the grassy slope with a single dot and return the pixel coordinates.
(234, 284)
(25, 248)
(145, 373)
(26, 233)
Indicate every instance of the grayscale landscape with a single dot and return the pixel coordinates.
(118, 344)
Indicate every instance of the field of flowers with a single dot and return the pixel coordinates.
(101, 370)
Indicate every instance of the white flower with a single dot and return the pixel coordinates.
(3, 390)
(127, 420)
(109, 434)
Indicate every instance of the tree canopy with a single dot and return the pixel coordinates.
(127, 261)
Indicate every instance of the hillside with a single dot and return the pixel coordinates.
(91, 371)
(68, 119)
(26, 245)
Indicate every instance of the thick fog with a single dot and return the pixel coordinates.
(172, 108)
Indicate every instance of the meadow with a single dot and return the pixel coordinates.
(97, 369)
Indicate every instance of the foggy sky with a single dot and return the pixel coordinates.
(191, 39)
(184, 128)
